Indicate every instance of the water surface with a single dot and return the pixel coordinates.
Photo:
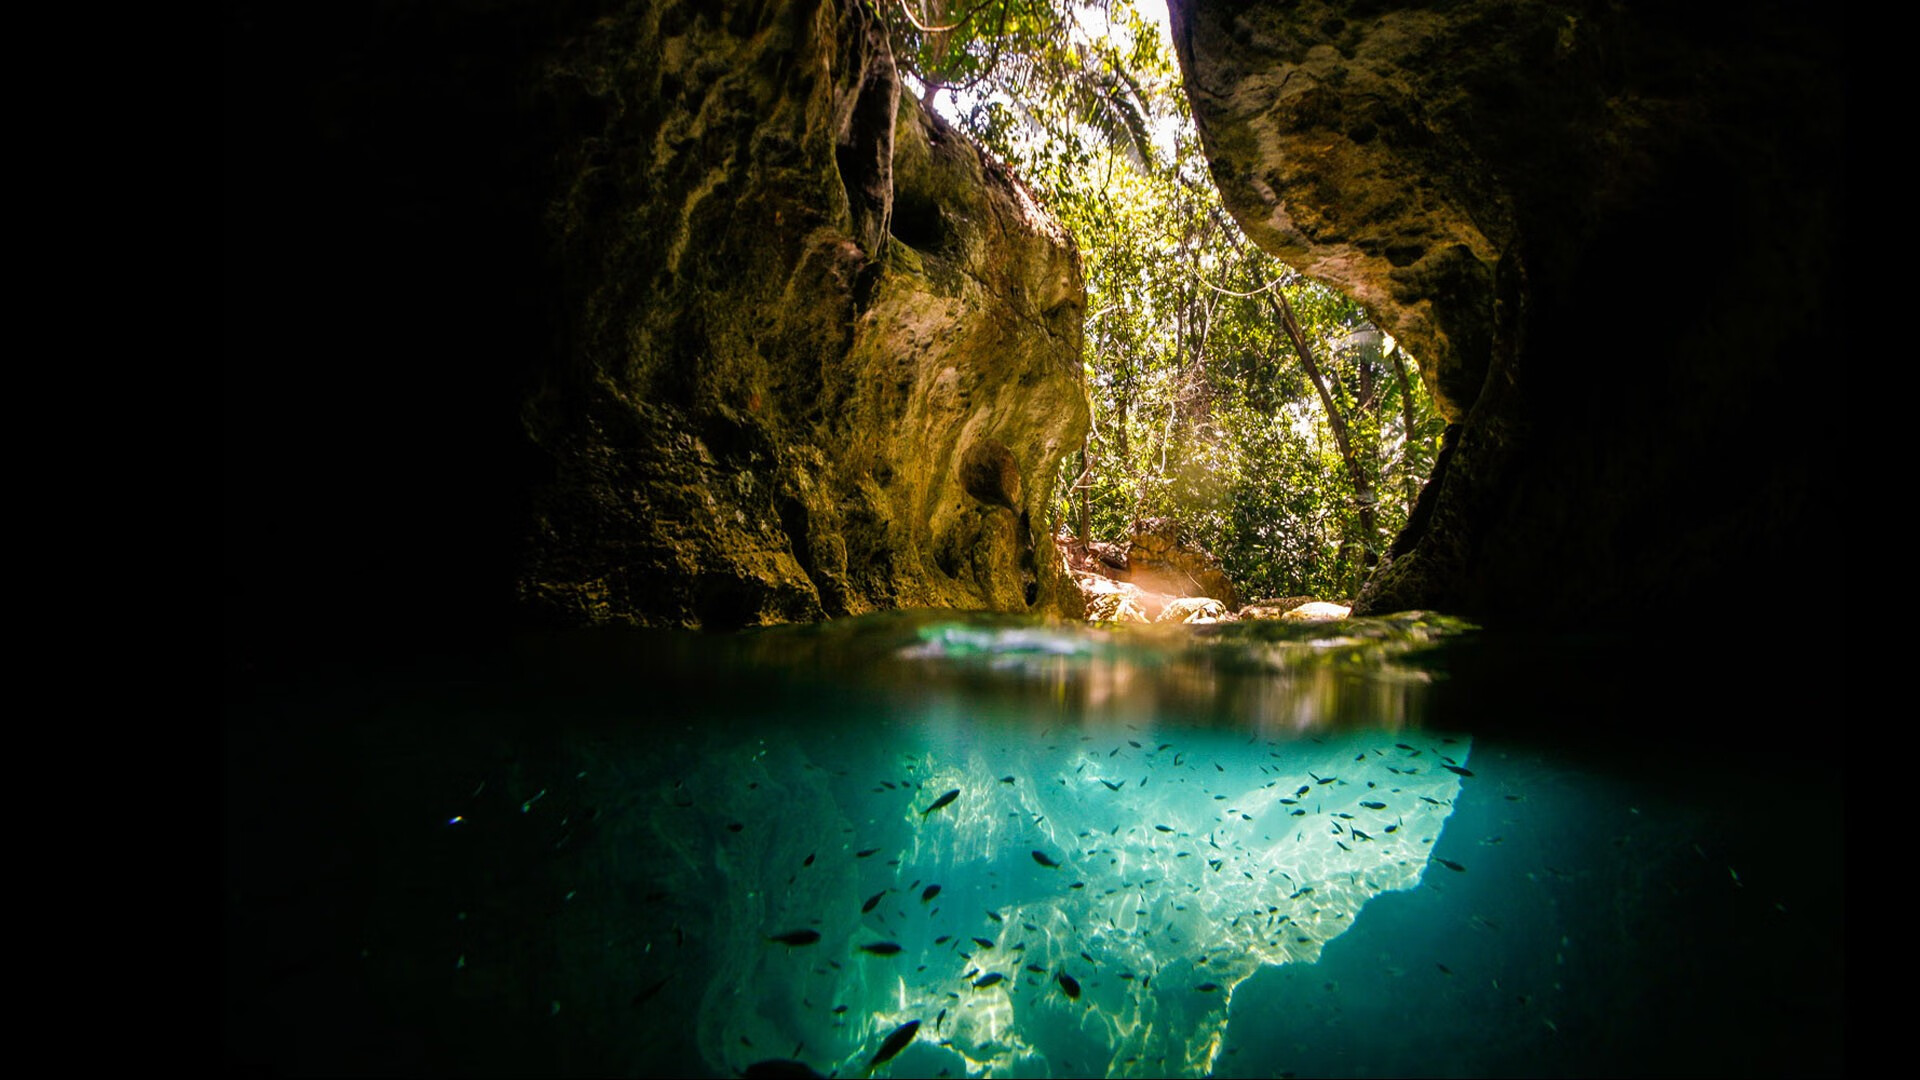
(1375, 847)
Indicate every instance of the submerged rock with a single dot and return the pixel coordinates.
(822, 356)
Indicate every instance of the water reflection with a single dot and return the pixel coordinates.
(1278, 679)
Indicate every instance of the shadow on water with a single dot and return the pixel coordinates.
(1379, 847)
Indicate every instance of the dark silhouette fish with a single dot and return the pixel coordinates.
(941, 801)
(797, 937)
(1041, 858)
(808, 861)
(991, 978)
(943, 939)
(839, 1009)
(1111, 786)
(929, 893)
(1163, 828)
(1374, 805)
(1071, 985)
(985, 943)
(895, 1043)
(641, 997)
(1450, 864)
(871, 901)
(1458, 769)
(1207, 987)
(1006, 779)
(995, 916)
(881, 948)
(864, 854)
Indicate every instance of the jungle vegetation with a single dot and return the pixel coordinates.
(1258, 409)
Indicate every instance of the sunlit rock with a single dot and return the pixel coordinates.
(1194, 609)
(821, 356)
(1317, 609)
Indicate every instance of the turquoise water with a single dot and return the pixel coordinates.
(1371, 848)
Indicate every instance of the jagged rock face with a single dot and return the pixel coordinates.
(823, 357)
(1607, 233)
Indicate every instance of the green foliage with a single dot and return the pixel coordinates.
(1202, 410)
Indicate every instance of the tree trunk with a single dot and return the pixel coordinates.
(1406, 409)
(1362, 489)
(1085, 482)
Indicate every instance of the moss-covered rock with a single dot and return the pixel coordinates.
(1608, 232)
(822, 356)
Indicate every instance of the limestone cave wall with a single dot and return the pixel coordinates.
(657, 312)
(1609, 233)
(824, 357)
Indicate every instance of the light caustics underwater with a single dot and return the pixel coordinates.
(1074, 897)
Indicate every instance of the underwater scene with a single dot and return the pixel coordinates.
(922, 844)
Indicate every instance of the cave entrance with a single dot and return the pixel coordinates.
(1254, 434)
(1256, 466)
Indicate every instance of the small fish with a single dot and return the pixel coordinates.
(1374, 805)
(1111, 786)
(995, 916)
(989, 979)
(1444, 969)
(1342, 847)
(1357, 834)
(1402, 746)
(1304, 788)
(943, 939)
(1163, 828)
(641, 997)
(940, 802)
(1004, 780)
(1078, 885)
(1450, 864)
(1325, 780)
(985, 943)
(895, 1043)
(941, 1019)
(1036, 969)
(1207, 987)
(839, 1010)
(881, 948)
(734, 826)
(929, 893)
(888, 784)
(872, 901)
(1133, 744)
(864, 854)
(1070, 985)
(1458, 769)
(1041, 858)
(797, 937)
